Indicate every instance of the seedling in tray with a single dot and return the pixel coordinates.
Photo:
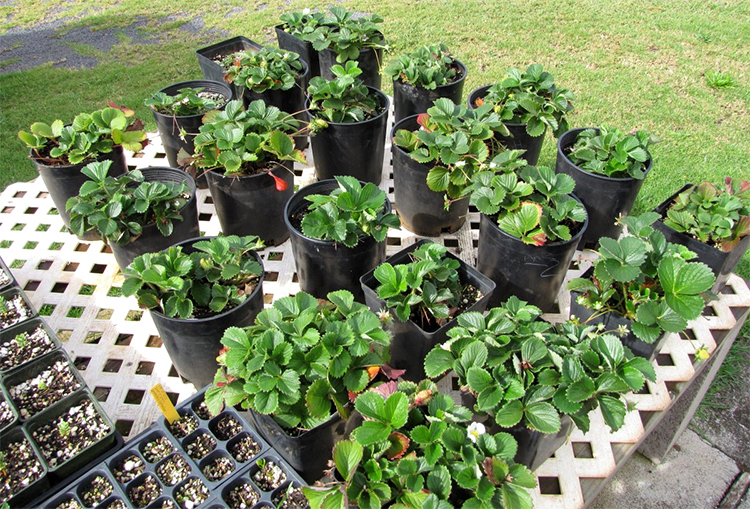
(173, 470)
(192, 493)
(96, 491)
(241, 496)
(41, 391)
(25, 346)
(128, 469)
(183, 426)
(144, 492)
(290, 498)
(13, 309)
(200, 446)
(157, 449)
(269, 475)
(19, 466)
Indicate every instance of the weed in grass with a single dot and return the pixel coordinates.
(55, 246)
(115, 291)
(718, 79)
(75, 312)
(5, 244)
(46, 309)
(10, 61)
(703, 37)
(31, 245)
(87, 289)
(42, 227)
(17, 264)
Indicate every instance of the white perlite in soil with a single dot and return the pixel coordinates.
(13, 311)
(25, 347)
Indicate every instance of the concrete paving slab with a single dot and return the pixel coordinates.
(694, 475)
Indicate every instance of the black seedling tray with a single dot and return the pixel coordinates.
(29, 326)
(9, 294)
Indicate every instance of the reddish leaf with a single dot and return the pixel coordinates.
(399, 445)
(423, 119)
(386, 389)
(540, 239)
(423, 397)
(392, 373)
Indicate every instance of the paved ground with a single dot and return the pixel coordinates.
(696, 474)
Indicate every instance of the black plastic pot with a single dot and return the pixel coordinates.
(410, 343)
(325, 266)
(519, 139)
(22, 497)
(28, 326)
(409, 100)
(612, 322)
(151, 239)
(170, 127)
(534, 448)
(251, 205)
(194, 343)
(289, 101)
(370, 61)
(82, 461)
(64, 182)
(309, 452)
(531, 273)
(421, 209)
(5, 398)
(11, 279)
(355, 149)
(722, 263)
(605, 198)
(11, 293)
(209, 57)
(304, 49)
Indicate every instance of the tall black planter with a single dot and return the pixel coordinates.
(722, 263)
(289, 101)
(64, 182)
(534, 448)
(409, 100)
(209, 57)
(151, 240)
(194, 343)
(519, 139)
(304, 49)
(251, 205)
(411, 344)
(355, 149)
(170, 127)
(531, 273)
(309, 452)
(605, 198)
(325, 266)
(421, 209)
(612, 322)
(370, 61)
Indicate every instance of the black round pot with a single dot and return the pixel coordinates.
(325, 266)
(355, 149)
(251, 205)
(531, 273)
(151, 240)
(304, 49)
(170, 126)
(534, 447)
(605, 198)
(370, 61)
(309, 452)
(519, 139)
(409, 100)
(289, 101)
(64, 182)
(194, 343)
(421, 209)
(722, 263)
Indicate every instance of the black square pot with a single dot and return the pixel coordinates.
(721, 263)
(411, 344)
(29, 327)
(208, 56)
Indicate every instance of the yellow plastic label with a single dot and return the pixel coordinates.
(165, 405)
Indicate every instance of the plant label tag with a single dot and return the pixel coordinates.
(165, 405)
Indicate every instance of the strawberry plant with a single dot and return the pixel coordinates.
(246, 142)
(523, 370)
(346, 35)
(89, 136)
(302, 24)
(428, 67)
(457, 142)
(349, 213)
(187, 101)
(344, 100)
(608, 151)
(645, 279)
(531, 203)
(219, 275)
(417, 448)
(301, 359)
(267, 69)
(119, 208)
(717, 218)
(531, 98)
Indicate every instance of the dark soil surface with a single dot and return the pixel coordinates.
(25, 347)
(157, 449)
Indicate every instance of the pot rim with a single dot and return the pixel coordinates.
(258, 288)
(103, 156)
(462, 67)
(217, 172)
(384, 101)
(191, 84)
(561, 151)
(366, 239)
